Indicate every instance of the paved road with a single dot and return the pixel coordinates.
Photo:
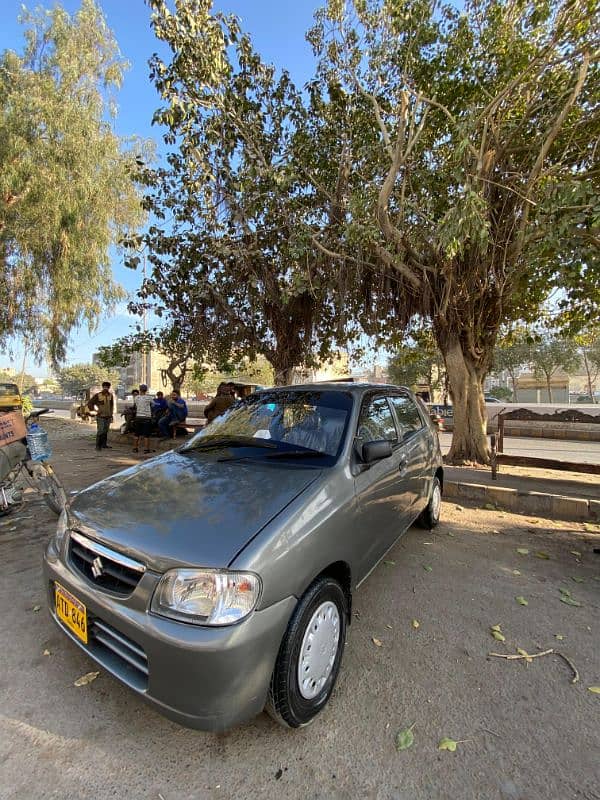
(562, 449)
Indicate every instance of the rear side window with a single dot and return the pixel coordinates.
(376, 421)
(8, 389)
(407, 414)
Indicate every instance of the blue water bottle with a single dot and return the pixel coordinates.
(38, 444)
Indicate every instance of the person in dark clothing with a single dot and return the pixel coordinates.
(220, 403)
(104, 403)
(178, 412)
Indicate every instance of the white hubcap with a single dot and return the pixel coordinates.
(319, 647)
(436, 501)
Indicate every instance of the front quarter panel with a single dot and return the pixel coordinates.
(314, 531)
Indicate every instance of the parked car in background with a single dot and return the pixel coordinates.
(217, 579)
(489, 399)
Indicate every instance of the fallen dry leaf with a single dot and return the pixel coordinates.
(521, 601)
(46, 653)
(447, 744)
(87, 678)
(522, 551)
(496, 632)
(377, 642)
(525, 654)
(36, 608)
(416, 624)
(594, 689)
(541, 554)
(559, 636)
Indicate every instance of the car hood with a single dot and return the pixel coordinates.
(187, 509)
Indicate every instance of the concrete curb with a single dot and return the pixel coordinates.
(553, 506)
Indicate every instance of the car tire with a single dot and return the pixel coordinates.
(318, 626)
(430, 516)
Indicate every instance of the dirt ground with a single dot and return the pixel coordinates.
(524, 731)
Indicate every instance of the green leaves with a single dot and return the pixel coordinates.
(68, 182)
(405, 738)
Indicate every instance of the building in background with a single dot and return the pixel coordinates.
(532, 390)
(335, 370)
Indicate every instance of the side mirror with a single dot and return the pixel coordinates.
(376, 451)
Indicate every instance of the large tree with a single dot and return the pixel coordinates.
(551, 354)
(418, 360)
(512, 352)
(589, 350)
(66, 180)
(75, 379)
(471, 183)
(232, 238)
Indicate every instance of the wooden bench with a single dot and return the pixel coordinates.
(498, 456)
(189, 427)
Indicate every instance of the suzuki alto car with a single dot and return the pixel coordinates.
(216, 579)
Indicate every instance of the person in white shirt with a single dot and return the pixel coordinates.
(143, 418)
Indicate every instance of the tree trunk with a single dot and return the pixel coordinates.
(283, 376)
(469, 440)
(588, 373)
(549, 388)
(513, 379)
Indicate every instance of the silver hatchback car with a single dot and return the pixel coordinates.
(217, 579)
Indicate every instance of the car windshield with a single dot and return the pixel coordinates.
(8, 389)
(289, 421)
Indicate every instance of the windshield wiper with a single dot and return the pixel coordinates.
(297, 453)
(211, 442)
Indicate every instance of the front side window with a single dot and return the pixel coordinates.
(407, 413)
(376, 422)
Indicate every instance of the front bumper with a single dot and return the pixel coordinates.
(206, 678)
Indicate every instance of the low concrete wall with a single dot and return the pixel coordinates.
(552, 506)
(577, 431)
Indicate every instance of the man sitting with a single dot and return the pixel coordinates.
(177, 413)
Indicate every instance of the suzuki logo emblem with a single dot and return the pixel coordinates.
(97, 567)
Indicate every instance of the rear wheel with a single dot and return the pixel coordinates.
(51, 489)
(310, 654)
(430, 516)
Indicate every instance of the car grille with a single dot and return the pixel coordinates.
(104, 568)
(118, 653)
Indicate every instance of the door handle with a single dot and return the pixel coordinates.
(402, 465)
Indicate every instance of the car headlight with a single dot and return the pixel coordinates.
(206, 596)
(61, 528)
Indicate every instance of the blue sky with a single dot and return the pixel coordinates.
(277, 28)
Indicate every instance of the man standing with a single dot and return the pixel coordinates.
(143, 418)
(104, 403)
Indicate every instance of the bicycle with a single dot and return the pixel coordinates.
(16, 463)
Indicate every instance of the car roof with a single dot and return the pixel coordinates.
(339, 386)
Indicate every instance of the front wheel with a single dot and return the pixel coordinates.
(310, 654)
(430, 516)
(51, 489)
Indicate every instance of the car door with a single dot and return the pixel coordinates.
(416, 447)
(382, 489)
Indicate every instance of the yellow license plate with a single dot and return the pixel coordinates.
(71, 611)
